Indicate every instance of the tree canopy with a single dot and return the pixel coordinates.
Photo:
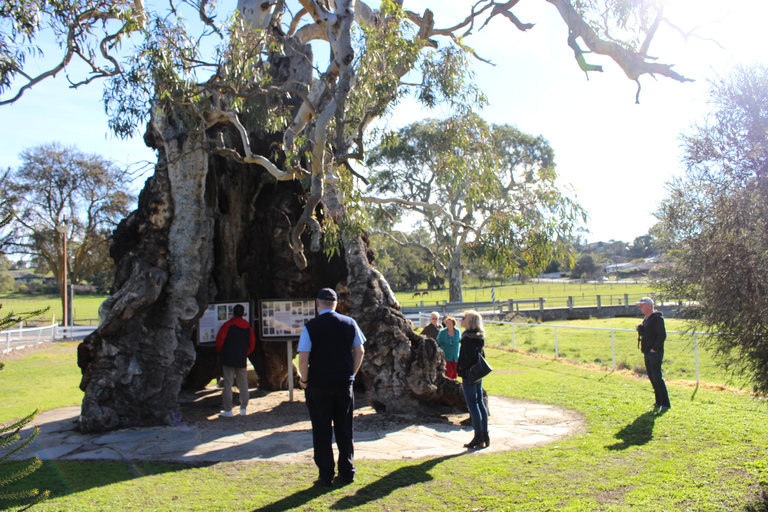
(489, 190)
(714, 220)
(217, 80)
(59, 186)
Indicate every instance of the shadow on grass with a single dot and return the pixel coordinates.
(761, 503)
(637, 433)
(398, 479)
(64, 478)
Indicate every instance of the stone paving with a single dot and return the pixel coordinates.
(513, 425)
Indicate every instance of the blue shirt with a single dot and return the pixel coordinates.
(305, 343)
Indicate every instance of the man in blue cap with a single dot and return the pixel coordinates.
(330, 354)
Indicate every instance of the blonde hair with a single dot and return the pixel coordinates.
(474, 320)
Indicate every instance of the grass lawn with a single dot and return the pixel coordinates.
(85, 307)
(708, 453)
(595, 347)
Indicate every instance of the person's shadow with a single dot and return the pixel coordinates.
(637, 433)
(402, 477)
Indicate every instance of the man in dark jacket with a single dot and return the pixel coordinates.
(234, 342)
(652, 335)
(330, 354)
(431, 330)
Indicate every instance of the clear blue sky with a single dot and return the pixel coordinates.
(617, 155)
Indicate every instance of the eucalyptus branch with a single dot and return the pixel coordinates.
(425, 207)
(218, 116)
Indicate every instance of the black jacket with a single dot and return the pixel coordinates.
(471, 343)
(654, 333)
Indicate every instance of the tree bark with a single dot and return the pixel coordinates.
(208, 229)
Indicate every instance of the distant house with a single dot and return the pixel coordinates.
(22, 276)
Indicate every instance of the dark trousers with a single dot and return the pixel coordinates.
(330, 410)
(653, 367)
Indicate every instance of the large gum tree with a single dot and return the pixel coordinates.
(254, 193)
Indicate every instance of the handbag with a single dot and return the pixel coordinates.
(478, 370)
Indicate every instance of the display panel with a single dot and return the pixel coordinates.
(215, 316)
(284, 319)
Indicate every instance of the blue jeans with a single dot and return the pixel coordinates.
(473, 394)
(653, 368)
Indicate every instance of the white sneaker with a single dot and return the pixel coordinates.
(243, 412)
(226, 414)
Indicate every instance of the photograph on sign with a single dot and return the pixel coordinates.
(285, 318)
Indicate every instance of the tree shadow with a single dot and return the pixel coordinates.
(398, 479)
(760, 503)
(637, 433)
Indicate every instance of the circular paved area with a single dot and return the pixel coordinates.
(278, 430)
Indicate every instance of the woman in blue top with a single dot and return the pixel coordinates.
(448, 340)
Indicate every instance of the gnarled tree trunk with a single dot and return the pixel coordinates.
(208, 228)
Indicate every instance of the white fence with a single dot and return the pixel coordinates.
(23, 337)
(627, 343)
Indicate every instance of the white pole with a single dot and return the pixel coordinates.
(556, 352)
(696, 355)
(513, 338)
(613, 350)
(21, 330)
(7, 340)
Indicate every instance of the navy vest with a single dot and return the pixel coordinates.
(330, 359)
(235, 350)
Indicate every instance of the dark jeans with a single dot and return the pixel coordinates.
(330, 410)
(653, 367)
(473, 394)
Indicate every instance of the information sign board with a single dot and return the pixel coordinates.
(284, 319)
(215, 316)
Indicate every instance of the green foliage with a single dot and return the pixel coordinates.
(487, 191)
(404, 268)
(713, 221)
(585, 266)
(55, 184)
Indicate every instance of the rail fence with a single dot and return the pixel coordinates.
(610, 348)
(25, 336)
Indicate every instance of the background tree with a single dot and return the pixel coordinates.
(404, 268)
(584, 268)
(714, 219)
(11, 443)
(489, 187)
(254, 149)
(56, 185)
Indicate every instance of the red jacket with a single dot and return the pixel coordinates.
(232, 340)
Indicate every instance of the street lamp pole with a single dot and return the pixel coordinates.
(62, 229)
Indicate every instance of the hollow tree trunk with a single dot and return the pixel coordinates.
(210, 229)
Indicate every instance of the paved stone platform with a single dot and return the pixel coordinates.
(513, 425)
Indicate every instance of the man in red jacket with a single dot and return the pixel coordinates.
(234, 342)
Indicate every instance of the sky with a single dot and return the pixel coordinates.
(615, 154)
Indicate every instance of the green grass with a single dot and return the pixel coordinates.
(86, 307)
(46, 378)
(556, 293)
(708, 453)
(595, 346)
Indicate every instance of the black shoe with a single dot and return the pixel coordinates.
(346, 479)
(486, 439)
(475, 443)
(321, 482)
